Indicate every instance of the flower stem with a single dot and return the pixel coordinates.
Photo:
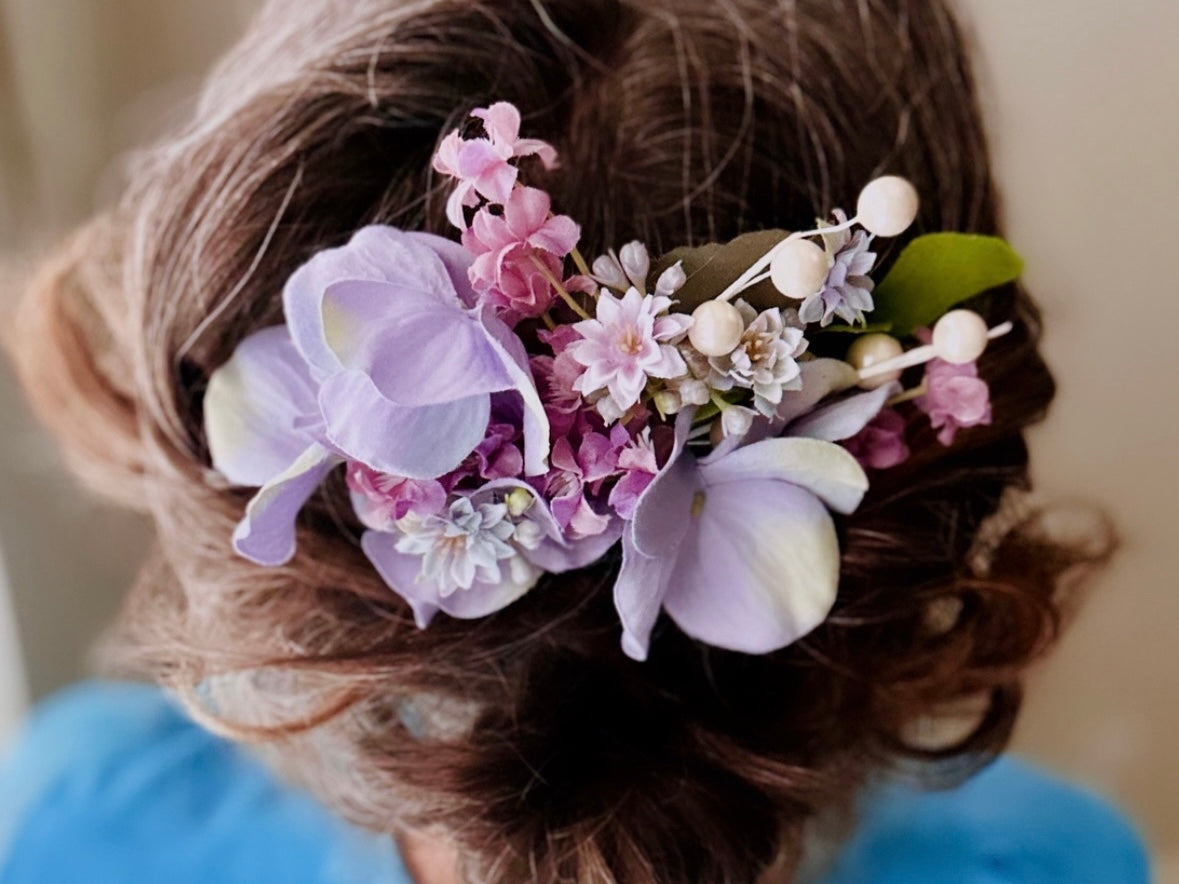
(907, 395)
(580, 262)
(548, 321)
(556, 284)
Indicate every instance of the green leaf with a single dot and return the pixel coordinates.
(938, 271)
(711, 268)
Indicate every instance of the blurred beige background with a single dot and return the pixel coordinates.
(1082, 100)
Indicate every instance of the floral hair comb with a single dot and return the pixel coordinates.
(503, 409)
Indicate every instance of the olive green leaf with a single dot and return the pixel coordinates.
(868, 328)
(711, 268)
(936, 272)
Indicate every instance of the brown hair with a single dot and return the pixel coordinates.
(528, 737)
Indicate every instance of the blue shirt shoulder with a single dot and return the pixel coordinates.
(112, 782)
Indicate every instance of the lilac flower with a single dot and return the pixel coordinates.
(380, 500)
(572, 477)
(956, 398)
(740, 550)
(847, 292)
(382, 362)
(511, 249)
(496, 457)
(632, 339)
(764, 360)
(482, 165)
(555, 379)
(881, 444)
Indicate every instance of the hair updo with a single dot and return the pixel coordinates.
(528, 737)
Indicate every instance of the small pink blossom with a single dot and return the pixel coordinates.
(482, 165)
(496, 457)
(631, 339)
(555, 376)
(381, 499)
(502, 122)
(638, 464)
(573, 476)
(881, 444)
(956, 397)
(518, 252)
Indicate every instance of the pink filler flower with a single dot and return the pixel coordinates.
(518, 253)
(482, 165)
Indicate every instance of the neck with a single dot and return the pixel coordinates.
(430, 859)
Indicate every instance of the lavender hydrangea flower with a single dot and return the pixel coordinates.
(755, 522)
(847, 293)
(383, 361)
(753, 517)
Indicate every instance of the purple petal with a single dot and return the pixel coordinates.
(820, 379)
(514, 360)
(416, 350)
(260, 409)
(825, 469)
(267, 533)
(375, 254)
(662, 512)
(455, 259)
(418, 442)
(760, 568)
(639, 592)
(844, 418)
(557, 558)
(651, 542)
(401, 573)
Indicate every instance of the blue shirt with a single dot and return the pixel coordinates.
(112, 783)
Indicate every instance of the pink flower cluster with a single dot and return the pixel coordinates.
(483, 166)
(594, 468)
(881, 444)
(519, 247)
(955, 398)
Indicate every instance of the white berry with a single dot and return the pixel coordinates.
(960, 336)
(716, 328)
(887, 206)
(872, 349)
(799, 269)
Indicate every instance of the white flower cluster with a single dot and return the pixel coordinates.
(469, 543)
(636, 342)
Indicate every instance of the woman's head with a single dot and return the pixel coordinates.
(528, 737)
